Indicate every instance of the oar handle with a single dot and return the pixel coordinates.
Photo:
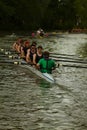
(59, 65)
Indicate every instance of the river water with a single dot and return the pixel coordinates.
(30, 103)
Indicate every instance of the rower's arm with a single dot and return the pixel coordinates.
(28, 56)
(38, 66)
(14, 46)
(19, 48)
(34, 58)
(22, 53)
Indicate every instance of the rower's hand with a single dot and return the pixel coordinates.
(59, 68)
(58, 65)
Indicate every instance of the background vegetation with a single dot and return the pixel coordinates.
(48, 14)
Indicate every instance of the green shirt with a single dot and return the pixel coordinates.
(46, 66)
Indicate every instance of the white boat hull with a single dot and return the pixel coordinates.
(46, 76)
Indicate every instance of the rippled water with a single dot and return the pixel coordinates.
(30, 103)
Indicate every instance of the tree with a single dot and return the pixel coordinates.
(80, 7)
(49, 14)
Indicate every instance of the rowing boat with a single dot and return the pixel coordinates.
(46, 76)
(23, 63)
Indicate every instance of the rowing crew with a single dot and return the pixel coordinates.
(35, 55)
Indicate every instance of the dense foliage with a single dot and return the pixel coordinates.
(49, 14)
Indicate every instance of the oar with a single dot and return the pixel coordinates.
(73, 61)
(13, 51)
(6, 51)
(75, 66)
(16, 62)
(9, 62)
(61, 54)
(64, 57)
(24, 63)
(9, 56)
(9, 52)
(3, 51)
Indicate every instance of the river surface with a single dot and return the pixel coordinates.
(28, 102)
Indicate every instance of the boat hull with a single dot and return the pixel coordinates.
(46, 76)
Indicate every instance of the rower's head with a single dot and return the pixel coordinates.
(33, 48)
(27, 43)
(34, 43)
(40, 48)
(20, 41)
(46, 54)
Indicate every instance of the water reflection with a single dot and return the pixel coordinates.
(43, 83)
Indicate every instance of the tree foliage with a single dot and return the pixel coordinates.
(49, 14)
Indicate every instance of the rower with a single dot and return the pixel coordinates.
(46, 65)
(30, 53)
(24, 49)
(17, 45)
(38, 55)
